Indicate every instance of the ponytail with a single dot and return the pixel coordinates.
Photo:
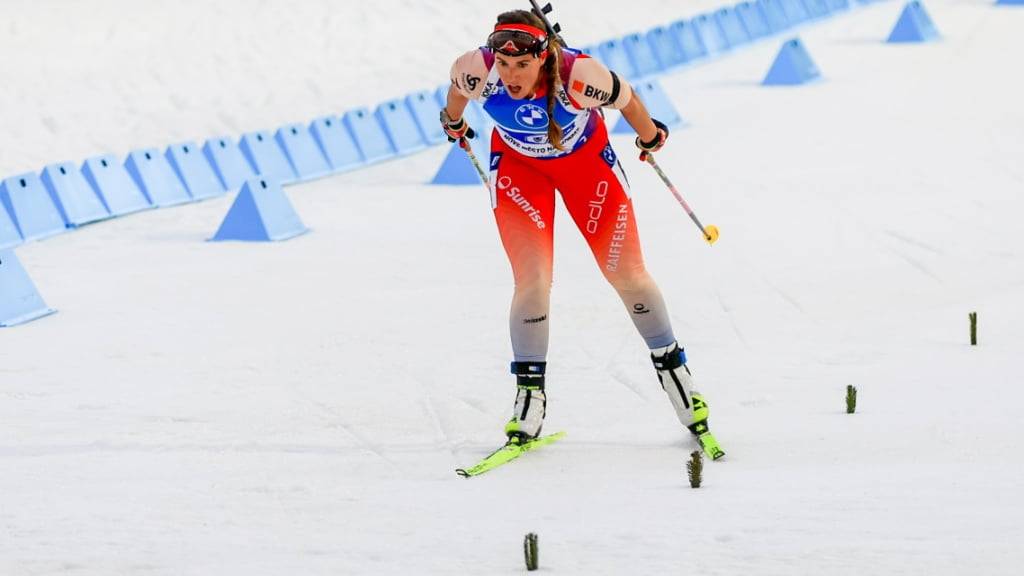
(554, 80)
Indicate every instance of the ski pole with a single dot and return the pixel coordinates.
(464, 144)
(710, 231)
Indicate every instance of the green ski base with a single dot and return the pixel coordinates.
(506, 454)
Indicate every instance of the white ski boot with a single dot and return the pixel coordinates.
(531, 402)
(691, 409)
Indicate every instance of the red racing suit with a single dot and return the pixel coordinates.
(526, 170)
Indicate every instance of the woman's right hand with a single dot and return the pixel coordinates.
(455, 129)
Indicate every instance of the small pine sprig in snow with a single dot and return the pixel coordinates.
(851, 399)
(530, 551)
(694, 468)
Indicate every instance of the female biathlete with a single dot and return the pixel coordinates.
(549, 135)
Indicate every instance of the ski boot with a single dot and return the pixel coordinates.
(690, 406)
(528, 418)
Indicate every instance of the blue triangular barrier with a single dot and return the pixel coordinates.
(261, 213)
(658, 104)
(426, 112)
(228, 163)
(336, 143)
(191, 166)
(711, 34)
(399, 126)
(368, 134)
(689, 39)
(76, 201)
(792, 66)
(156, 178)
(613, 55)
(665, 46)
(817, 8)
(837, 5)
(914, 25)
(753, 19)
(774, 15)
(266, 157)
(795, 11)
(729, 21)
(8, 231)
(20, 302)
(300, 149)
(457, 169)
(114, 186)
(641, 54)
(474, 113)
(30, 207)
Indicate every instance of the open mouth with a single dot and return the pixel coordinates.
(514, 90)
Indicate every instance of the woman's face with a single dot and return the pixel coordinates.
(519, 74)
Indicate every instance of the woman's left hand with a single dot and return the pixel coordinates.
(654, 144)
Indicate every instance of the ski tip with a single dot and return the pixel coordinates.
(462, 472)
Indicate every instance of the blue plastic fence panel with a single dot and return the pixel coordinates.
(336, 143)
(30, 207)
(816, 8)
(426, 113)
(266, 157)
(774, 15)
(657, 103)
(368, 134)
(689, 39)
(641, 54)
(302, 152)
(590, 50)
(76, 201)
(729, 21)
(837, 5)
(195, 172)
(20, 302)
(117, 190)
(228, 163)
(711, 34)
(474, 112)
(753, 20)
(613, 55)
(665, 47)
(155, 177)
(795, 11)
(8, 231)
(441, 95)
(399, 126)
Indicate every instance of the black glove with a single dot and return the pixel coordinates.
(656, 143)
(455, 129)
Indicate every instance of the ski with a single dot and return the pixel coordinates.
(506, 454)
(710, 446)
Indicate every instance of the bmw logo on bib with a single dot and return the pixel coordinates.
(532, 116)
(609, 156)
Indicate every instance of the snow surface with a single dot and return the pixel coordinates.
(299, 408)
